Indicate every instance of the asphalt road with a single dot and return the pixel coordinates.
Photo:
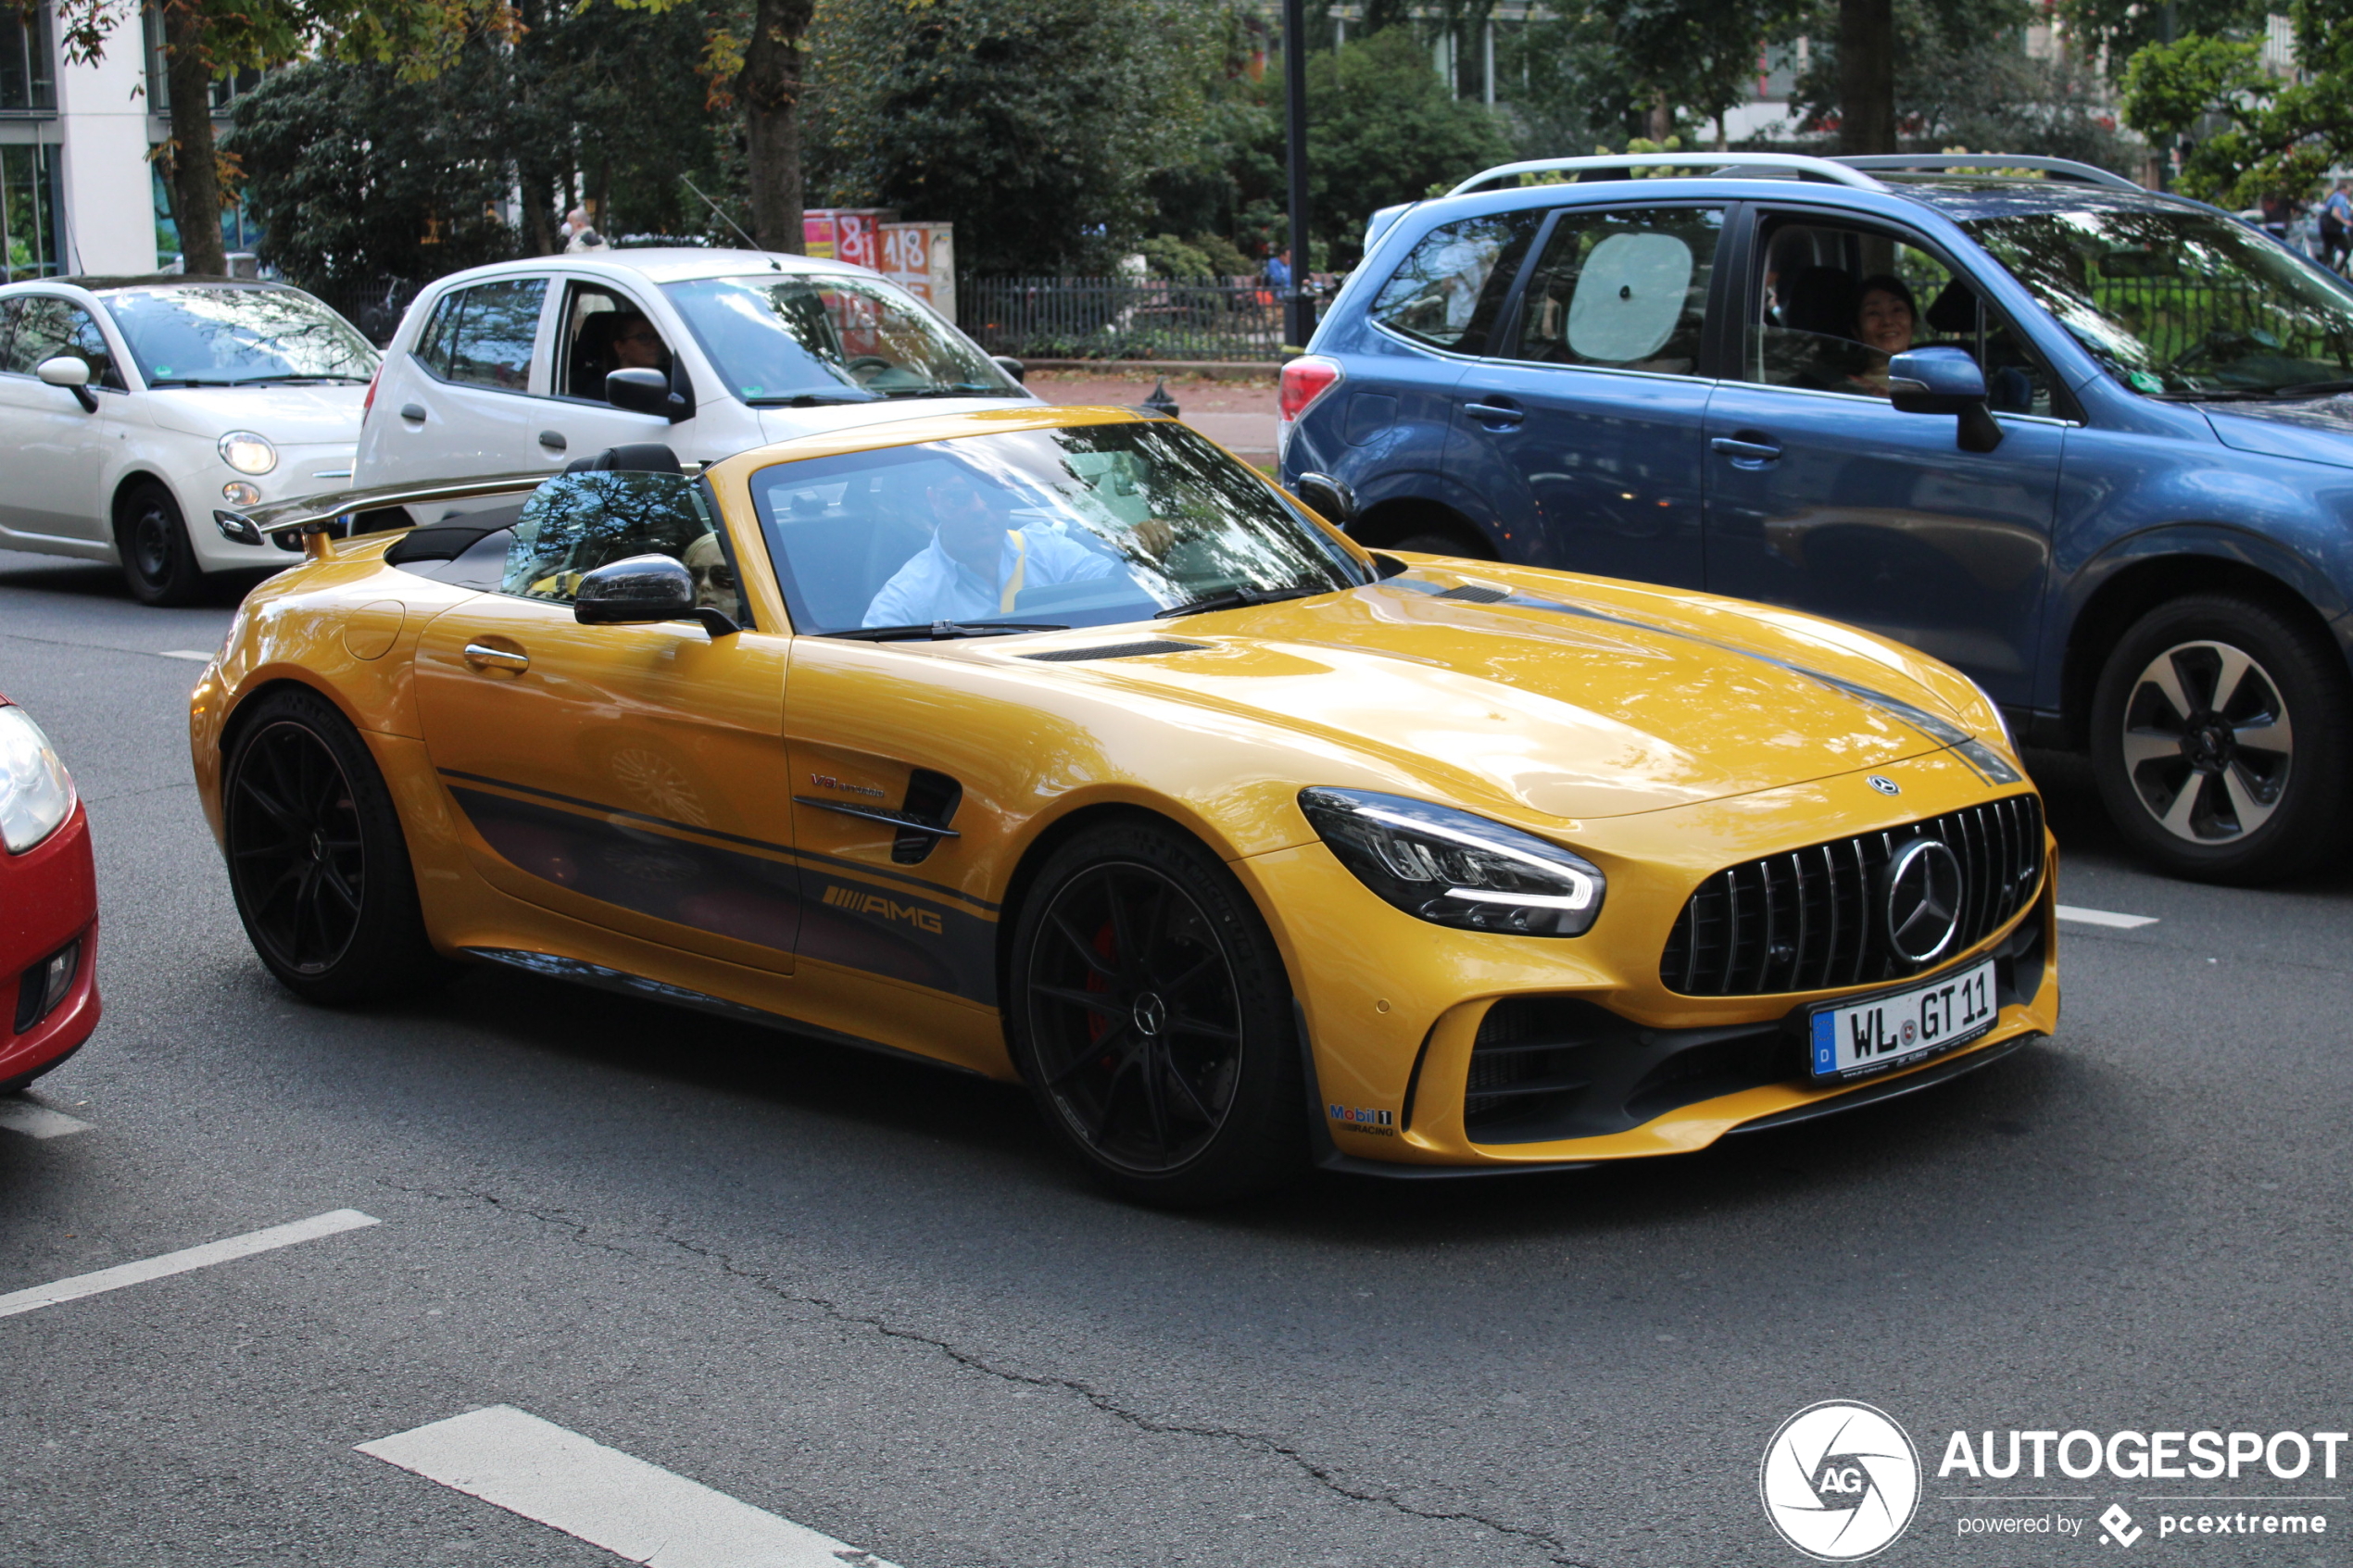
(868, 1298)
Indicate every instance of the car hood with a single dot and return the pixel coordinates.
(784, 424)
(2319, 429)
(289, 416)
(1569, 698)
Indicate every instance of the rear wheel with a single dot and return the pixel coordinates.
(1151, 1015)
(151, 539)
(2219, 740)
(316, 859)
(1443, 542)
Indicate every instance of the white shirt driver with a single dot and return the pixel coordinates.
(935, 586)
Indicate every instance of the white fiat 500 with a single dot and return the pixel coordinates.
(134, 409)
(529, 365)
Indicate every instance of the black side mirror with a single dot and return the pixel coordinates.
(1012, 367)
(644, 390)
(641, 590)
(1944, 381)
(1330, 496)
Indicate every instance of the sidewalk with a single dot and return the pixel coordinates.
(1238, 416)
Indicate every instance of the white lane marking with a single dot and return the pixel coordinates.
(37, 1121)
(2105, 917)
(180, 1262)
(604, 1497)
(183, 653)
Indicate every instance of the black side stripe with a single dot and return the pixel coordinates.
(937, 889)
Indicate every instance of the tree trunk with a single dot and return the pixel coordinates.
(769, 86)
(1866, 76)
(195, 171)
(1662, 117)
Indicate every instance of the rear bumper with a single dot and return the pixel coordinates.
(48, 901)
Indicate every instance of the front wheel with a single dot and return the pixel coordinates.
(316, 859)
(2219, 740)
(1149, 1012)
(151, 540)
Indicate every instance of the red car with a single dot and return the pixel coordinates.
(48, 907)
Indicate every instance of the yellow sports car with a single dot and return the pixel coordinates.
(1056, 744)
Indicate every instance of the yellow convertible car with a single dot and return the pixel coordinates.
(1057, 745)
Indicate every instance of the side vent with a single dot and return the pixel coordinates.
(931, 797)
(1476, 592)
(1115, 650)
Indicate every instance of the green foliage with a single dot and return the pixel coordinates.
(1597, 73)
(1169, 256)
(2256, 135)
(2121, 29)
(1033, 125)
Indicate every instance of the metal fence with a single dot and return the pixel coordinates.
(1122, 318)
(373, 305)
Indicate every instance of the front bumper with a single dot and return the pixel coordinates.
(48, 899)
(1414, 1030)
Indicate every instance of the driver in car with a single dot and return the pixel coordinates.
(977, 562)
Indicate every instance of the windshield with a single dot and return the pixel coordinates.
(1081, 526)
(2181, 304)
(781, 341)
(204, 335)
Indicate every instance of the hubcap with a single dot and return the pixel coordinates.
(294, 849)
(1136, 1015)
(151, 545)
(2207, 743)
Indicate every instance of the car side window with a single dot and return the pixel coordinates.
(7, 327)
(576, 523)
(1625, 288)
(603, 331)
(481, 336)
(1450, 292)
(44, 327)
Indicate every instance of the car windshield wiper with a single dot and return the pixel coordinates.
(962, 389)
(941, 630)
(811, 399)
(2314, 389)
(1237, 598)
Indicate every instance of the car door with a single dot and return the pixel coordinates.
(1584, 431)
(471, 411)
(1824, 497)
(54, 445)
(631, 777)
(597, 328)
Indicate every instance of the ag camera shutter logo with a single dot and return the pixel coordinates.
(1840, 1481)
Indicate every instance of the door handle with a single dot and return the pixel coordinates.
(1745, 451)
(1499, 413)
(413, 412)
(553, 440)
(481, 655)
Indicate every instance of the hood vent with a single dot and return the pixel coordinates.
(1115, 651)
(1476, 592)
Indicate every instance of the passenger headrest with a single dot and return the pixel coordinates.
(638, 456)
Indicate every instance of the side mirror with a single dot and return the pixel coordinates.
(641, 590)
(73, 375)
(1944, 381)
(1011, 366)
(668, 397)
(1330, 496)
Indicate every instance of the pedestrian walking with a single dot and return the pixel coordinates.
(2337, 226)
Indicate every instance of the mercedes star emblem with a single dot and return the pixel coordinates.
(1885, 786)
(1923, 906)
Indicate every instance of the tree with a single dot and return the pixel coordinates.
(207, 40)
(1605, 73)
(2258, 135)
(1033, 125)
(1865, 76)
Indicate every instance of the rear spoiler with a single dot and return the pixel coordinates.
(319, 518)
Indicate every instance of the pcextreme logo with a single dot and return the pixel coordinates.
(1840, 1481)
(883, 906)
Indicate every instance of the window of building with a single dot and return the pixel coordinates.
(28, 211)
(28, 85)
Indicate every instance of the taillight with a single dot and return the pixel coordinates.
(1305, 380)
(370, 401)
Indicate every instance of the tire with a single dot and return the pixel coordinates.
(1150, 1014)
(1443, 542)
(2249, 785)
(151, 541)
(316, 859)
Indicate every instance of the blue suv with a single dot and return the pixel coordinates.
(2089, 444)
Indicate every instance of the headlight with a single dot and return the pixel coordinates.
(36, 792)
(1451, 867)
(248, 453)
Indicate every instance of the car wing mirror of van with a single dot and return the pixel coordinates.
(1944, 381)
(73, 375)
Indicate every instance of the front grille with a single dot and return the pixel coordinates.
(1807, 920)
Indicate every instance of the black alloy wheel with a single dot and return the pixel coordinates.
(1151, 1015)
(317, 860)
(151, 539)
(2219, 740)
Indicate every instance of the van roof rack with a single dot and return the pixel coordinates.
(2049, 167)
(1793, 164)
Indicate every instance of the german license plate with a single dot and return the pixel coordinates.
(1856, 1039)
